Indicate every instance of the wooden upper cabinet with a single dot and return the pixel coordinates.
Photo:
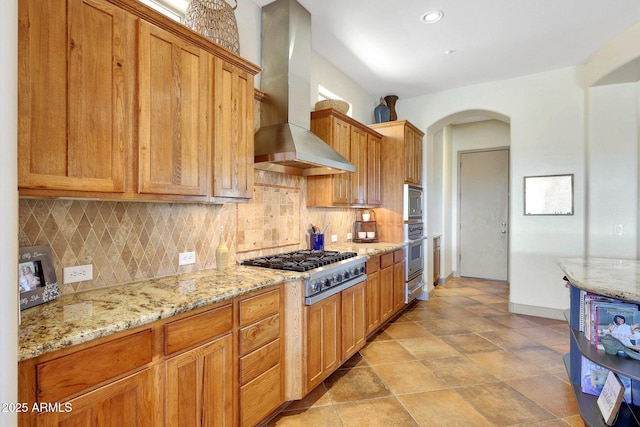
(359, 160)
(173, 99)
(413, 156)
(403, 139)
(349, 138)
(116, 101)
(72, 97)
(374, 196)
(233, 132)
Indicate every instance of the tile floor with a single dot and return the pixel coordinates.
(458, 359)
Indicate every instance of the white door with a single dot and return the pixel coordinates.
(484, 211)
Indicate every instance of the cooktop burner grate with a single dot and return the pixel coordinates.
(302, 260)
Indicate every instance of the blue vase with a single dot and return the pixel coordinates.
(381, 112)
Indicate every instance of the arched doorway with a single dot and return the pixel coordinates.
(471, 131)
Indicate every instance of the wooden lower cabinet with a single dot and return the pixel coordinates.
(322, 340)
(374, 318)
(399, 274)
(385, 288)
(261, 355)
(354, 326)
(261, 396)
(125, 403)
(436, 260)
(199, 386)
(221, 366)
(387, 304)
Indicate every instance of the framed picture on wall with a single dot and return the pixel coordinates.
(37, 281)
(548, 195)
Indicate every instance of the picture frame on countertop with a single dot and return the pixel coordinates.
(37, 282)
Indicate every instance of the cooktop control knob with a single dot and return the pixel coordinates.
(316, 286)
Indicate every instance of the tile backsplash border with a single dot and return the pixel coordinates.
(131, 241)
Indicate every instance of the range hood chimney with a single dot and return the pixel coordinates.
(285, 143)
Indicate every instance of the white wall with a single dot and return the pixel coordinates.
(9, 208)
(613, 170)
(329, 76)
(546, 111)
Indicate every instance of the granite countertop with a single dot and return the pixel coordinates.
(615, 278)
(369, 249)
(83, 316)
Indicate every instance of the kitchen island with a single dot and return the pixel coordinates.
(613, 278)
(152, 347)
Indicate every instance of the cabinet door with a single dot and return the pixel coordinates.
(173, 95)
(387, 302)
(359, 160)
(413, 157)
(199, 385)
(436, 260)
(399, 285)
(123, 403)
(373, 170)
(322, 340)
(342, 144)
(232, 132)
(373, 302)
(354, 332)
(72, 117)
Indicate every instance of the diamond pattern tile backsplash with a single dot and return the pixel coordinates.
(130, 241)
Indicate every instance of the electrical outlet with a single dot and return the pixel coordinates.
(186, 258)
(334, 238)
(349, 236)
(79, 273)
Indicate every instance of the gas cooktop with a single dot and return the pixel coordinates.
(302, 260)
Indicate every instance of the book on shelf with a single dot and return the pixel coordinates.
(593, 378)
(618, 320)
(598, 317)
(610, 398)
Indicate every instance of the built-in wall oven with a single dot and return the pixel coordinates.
(414, 237)
(414, 277)
(412, 203)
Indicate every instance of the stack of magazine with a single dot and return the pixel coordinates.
(600, 316)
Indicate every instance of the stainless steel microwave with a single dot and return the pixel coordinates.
(413, 201)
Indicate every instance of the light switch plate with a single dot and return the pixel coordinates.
(349, 236)
(334, 238)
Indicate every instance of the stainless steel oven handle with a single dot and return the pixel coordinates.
(332, 291)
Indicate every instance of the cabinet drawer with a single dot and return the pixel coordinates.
(253, 364)
(386, 260)
(259, 307)
(187, 332)
(373, 265)
(398, 255)
(259, 333)
(261, 397)
(73, 373)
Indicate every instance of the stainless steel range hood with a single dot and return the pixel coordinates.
(285, 143)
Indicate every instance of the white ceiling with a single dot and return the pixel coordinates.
(382, 45)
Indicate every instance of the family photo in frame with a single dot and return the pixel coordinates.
(37, 281)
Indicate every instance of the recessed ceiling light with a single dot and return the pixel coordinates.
(432, 16)
(449, 52)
